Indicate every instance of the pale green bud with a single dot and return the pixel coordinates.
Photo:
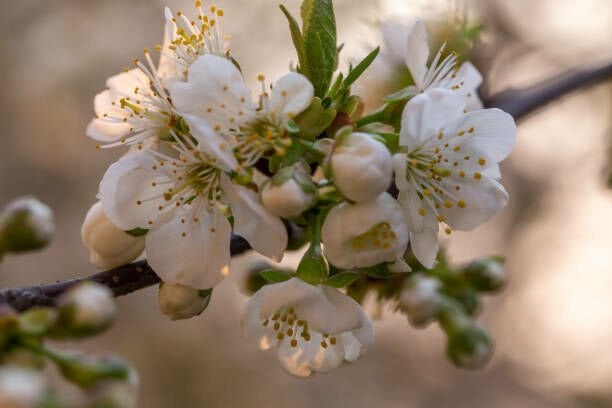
(290, 192)
(85, 309)
(87, 371)
(26, 224)
(420, 299)
(486, 275)
(182, 302)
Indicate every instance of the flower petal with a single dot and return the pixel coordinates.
(168, 69)
(309, 356)
(131, 191)
(427, 114)
(195, 253)
(212, 143)
(216, 92)
(265, 232)
(470, 78)
(291, 95)
(417, 52)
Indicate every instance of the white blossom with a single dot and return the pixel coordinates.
(447, 168)
(440, 73)
(179, 199)
(215, 91)
(186, 39)
(133, 108)
(21, 387)
(315, 328)
(361, 166)
(182, 302)
(365, 234)
(108, 245)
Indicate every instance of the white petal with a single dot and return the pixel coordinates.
(332, 312)
(126, 82)
(216, 92)
(483, 199)
(264, 231)
(212, 143)
(309, 356)
(168, 69)
(291, 95)
(417, 52)
(425, 246)
(278, 295)
(106, 131)
(127, 191)
(470, 77)
(427, 114)
(199, 258)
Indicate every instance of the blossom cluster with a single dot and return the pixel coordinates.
(207, 157)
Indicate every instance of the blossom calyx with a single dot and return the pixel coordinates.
(290, 192)
(361, 166)
(182, 302)
(108, 245)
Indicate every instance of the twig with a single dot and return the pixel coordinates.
(139, 275)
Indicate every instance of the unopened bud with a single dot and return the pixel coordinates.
(26, 224)
(361, 167)
(37, 321)
(469, 345)
(182, 302)
(486, 275)
(290, 192)
(85, 309)
(108, 245)
(114, 393)
(420, 299)
(21, 388)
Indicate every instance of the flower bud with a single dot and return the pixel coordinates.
(108, 245)
(182, 302)
(85, 309)
(486, 275)
(21, 388)
(290, 192)
(114, 393)
(420, 299)
(87, 371)
(469, 345)
(26, 224)
(365, 234)
(361, 167)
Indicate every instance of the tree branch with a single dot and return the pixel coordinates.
(139, 275)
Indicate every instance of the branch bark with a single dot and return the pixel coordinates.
(139, 275)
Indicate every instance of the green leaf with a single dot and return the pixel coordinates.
(274, 275)
(313, 266)
(298, 42)
(356, 72)
(319, 36)
(138, 232)
(292, 154)
(342, 279)
(380, 271)
(292, 127)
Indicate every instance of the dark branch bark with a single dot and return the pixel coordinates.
(139, 275)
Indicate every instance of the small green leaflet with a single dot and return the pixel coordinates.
(342, 279)
(274, 275)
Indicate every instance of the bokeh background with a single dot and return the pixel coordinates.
(553, 324)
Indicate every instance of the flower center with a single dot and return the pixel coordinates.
(287, 325)
(261, 137)
(380, 236)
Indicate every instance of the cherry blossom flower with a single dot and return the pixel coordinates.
(179, 198)
(447, 168)
(315, 328)
(365, 234)
(216, 92)
(440, 73)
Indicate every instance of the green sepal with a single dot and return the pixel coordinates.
(314, 120)
(380, 271)
(137, 232)
(274, 275)
(342, 279)
(36, 322)
(313, 267)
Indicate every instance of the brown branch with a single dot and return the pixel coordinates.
(139, 275)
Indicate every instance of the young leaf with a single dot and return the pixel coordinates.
(314, 120)
(298, 42)
(357, 71)
(342, 279)
(319, 36)
(274, 275)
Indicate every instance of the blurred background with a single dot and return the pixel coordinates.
(553, 324)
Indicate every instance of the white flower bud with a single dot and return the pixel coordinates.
(114, 393)
(86, 309)
(26, 224)
(182, 302)
(21, 388)
(365, 234)
(420, 299)
(108, 245)
(361, 167)
(290, 192)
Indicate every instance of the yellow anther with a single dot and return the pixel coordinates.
(448, 204)
(477, 176)
(448, 230)
(461, 204)
(482, 161)
(422, 212)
